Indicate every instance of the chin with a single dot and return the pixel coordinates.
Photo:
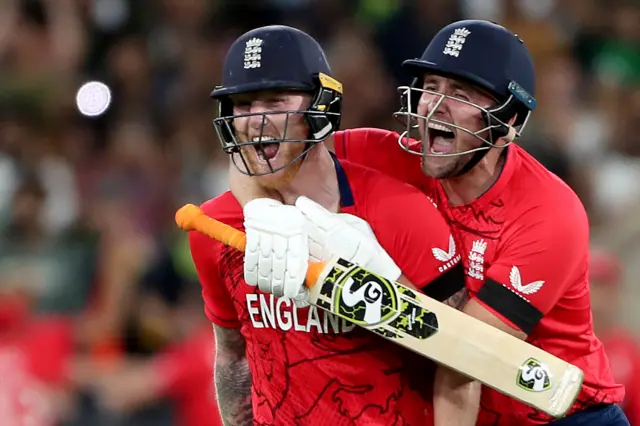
(279, 179)
(439, 168)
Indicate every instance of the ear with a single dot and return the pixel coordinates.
(511, 135)
(329, 142)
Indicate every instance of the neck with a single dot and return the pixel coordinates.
(464, 189)
(316, 179)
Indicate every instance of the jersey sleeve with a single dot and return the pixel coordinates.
(537, 265)
(218, 304)
(416, 236)
(379, 150)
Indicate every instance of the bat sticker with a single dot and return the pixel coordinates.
(375, 303)
(534, 376)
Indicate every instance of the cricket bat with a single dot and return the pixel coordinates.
(421, 324)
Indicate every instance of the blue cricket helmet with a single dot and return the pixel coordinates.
(278, 57)
(485, 54)
(491, 58)
(272, 57)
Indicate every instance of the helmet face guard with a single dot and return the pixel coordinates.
(322, 118)
(490, 58)
(496, 122)
(320, 123)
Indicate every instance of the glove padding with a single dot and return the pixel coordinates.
(346, 236)
(277, 251)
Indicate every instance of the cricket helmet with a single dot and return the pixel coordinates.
(491, 58)
(278, 57)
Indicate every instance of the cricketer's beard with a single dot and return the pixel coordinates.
(284, 160)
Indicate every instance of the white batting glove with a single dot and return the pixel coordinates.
(346, 236)
(277, 251)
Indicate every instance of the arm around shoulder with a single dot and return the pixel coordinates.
(416, 235)
(543, 256)
(542, 259)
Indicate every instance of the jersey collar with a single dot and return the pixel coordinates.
(346, 194)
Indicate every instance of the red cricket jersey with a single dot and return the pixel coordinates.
(525, 247)
(310, 367)
(187, 371)
(34, 357)
(624, 353)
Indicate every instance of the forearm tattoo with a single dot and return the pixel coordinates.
(459, 299)
(232, 378)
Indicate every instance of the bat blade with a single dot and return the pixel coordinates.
(448, 337)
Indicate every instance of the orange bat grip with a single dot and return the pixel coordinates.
(191, 218)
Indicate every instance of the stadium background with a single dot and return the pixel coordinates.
(86, 204)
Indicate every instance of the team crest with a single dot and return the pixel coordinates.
(253, 53)
(476, 259)
(456, 42)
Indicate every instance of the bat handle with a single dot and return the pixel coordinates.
(191, 218)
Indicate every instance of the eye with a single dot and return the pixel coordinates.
(276, 101)
(461, 95)
(242, 105)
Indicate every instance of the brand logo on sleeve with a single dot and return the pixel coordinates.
(516, 282)
(449, 258)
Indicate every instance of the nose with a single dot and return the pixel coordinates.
(429, 103)
(258, 120)
(251, 120)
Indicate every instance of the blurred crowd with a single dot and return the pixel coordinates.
(101, 321)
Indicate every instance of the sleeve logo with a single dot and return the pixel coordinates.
(449, 258)
(516, 282)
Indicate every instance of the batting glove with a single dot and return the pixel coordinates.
(277, 251)
(346, 236)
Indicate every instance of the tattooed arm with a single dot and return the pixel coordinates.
(232, 377)
(459, 299)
